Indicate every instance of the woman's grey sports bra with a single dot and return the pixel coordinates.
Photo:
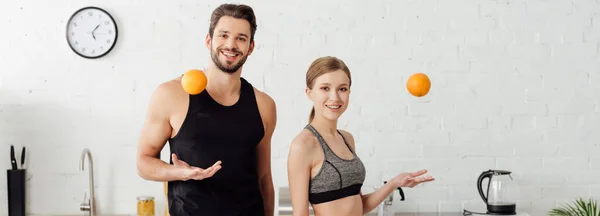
(337, 178)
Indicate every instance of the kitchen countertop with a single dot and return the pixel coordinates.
(425, 214)
(370, 214)
(421, 214)
(436, 214)
(418, 214)
(82, 214)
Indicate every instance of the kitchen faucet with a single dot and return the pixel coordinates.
(89, 204)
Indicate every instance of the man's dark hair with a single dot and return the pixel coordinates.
(239, 11)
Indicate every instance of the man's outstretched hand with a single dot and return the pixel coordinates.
(194, 173)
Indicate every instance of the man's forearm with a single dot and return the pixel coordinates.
(154, 169)
(268, 195)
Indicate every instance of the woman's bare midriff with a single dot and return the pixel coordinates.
(347, 206)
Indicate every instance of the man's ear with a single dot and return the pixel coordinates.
(251, 49)
(208, 41)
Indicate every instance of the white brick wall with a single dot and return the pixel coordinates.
(515, 86)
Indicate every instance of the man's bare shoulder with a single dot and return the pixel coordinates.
(264, 99)
(266, 107)
(168, 89)
(168, 92)
(169, 86)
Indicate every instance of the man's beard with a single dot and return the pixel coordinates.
(225, 68)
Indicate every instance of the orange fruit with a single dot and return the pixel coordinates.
(418, 84)
(194, 81)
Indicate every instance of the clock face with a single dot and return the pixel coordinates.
(91, 32)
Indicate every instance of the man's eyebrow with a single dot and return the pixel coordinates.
(227, 32)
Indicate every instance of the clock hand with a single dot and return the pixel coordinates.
(94, 36)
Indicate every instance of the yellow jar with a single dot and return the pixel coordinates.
(145, 206)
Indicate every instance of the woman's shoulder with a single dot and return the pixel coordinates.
(348, 137)
(304, 142)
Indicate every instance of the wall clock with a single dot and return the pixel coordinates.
(91, 32)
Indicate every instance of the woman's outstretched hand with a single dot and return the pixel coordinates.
(411, 179)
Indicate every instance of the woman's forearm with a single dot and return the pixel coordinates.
(372, 200)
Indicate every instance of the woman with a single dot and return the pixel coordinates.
(323, 167)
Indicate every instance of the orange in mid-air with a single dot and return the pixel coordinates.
(194, 81)
(418, 84)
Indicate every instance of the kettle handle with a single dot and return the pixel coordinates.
(487, 174)
(399, 191)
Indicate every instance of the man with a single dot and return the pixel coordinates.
(219, 139)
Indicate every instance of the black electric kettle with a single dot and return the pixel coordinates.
(499, 193)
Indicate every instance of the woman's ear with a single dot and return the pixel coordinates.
(308, 92)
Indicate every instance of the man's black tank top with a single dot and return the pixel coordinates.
(212, 132)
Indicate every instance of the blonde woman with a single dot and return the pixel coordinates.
(323, 167)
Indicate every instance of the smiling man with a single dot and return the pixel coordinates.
(220, 139)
